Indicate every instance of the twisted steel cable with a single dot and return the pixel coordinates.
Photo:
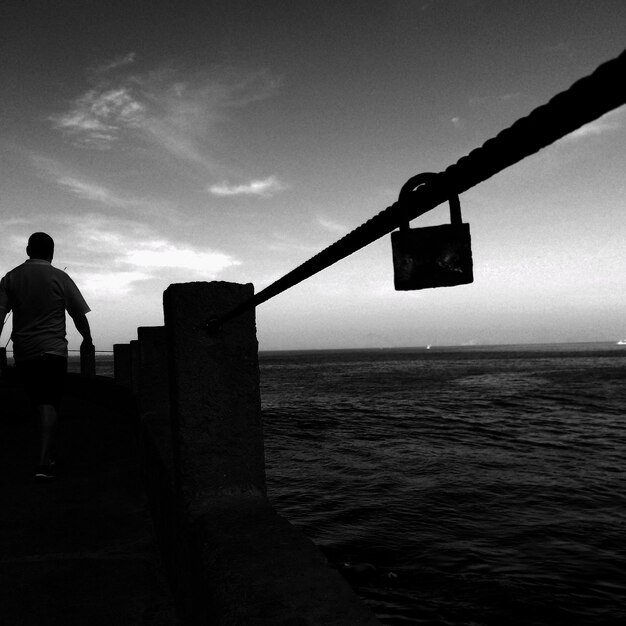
(586, 100)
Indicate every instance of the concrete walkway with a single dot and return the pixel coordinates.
(80, 550)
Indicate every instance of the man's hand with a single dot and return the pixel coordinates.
(87, 357)
(87, 346)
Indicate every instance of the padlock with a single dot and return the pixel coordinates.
(435, 256)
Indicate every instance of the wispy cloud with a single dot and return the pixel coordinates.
(97, 193)
(610, 122)
(493, 100)
(286, 243)
(167, 107)
(77, 184)
(264, 188)
(332, 226)
(116, 63)
(98, 117)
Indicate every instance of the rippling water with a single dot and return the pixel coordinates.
(458, 486)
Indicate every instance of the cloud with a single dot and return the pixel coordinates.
(332, 226)
(108, 284)
(493, 100)
(111, 256)
(168, 107)
(176, 141)
(240, 91)
(286, 243)
(163, 254)
(264, 188)
(609, 122)
(98, 116)
(97, 193)
(9, 222)
(76, 184)
(116, 63)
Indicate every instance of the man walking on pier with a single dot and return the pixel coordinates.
(39, 294)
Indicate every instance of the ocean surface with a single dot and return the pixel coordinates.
(458, 486)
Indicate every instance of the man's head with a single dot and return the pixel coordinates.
(40, 246)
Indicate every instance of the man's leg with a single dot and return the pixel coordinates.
(47, 425)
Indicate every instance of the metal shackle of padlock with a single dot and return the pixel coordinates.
(435, 256)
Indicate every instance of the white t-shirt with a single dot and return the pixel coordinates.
(39, 294)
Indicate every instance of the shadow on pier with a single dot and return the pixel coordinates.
(80, 549)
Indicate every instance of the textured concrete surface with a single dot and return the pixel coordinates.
(121, 360)
(252, 567)
(143, 512)
(80, 550)
(263, 571)
(153, 399)
(214, 393)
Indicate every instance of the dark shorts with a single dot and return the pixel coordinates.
(43, 378)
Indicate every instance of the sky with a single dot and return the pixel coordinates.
(164, 142)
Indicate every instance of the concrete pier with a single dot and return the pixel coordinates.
(121, 364)
(160, 515)
(153, 397)
(252, 566)
(81, 549)
(135, 369)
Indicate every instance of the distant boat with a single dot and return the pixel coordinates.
(621, 342)
(428, 347)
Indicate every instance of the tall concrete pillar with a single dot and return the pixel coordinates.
(152, 361)
(154, 394)
(214, 394)
(238, 562)
(135, 367)
(121, 364)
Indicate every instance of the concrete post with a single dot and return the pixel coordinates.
(88, 362)
(153, 387)
(154, 396)
(241, 562)
(135, 367)
(214, 394)
(121, 364)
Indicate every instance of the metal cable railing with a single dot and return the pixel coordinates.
(586, 100)
(95, 351)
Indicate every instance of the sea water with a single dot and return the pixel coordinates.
(458, 486)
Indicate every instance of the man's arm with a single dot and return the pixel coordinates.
(82, 326)
(5, 305)
(3, 314)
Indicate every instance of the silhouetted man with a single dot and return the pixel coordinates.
(39, 294)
